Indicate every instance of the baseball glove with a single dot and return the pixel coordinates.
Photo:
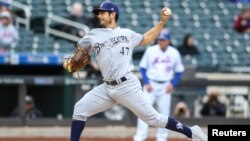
(80, 59)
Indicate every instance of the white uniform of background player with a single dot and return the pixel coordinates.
(113, 48)
(161, 62)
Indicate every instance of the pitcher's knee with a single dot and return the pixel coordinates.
(80, 113)
(159, 121)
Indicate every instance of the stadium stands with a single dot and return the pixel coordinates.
(222, 49)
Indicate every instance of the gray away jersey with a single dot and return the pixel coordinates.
(113, 49)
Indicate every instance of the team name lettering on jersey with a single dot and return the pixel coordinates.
(99, 46)
(158, 60)
(116, 40)
(113, 41)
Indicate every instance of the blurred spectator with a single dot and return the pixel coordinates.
(188, 50)
(5, 5)
(181, 110)
(31, 111)
(213, 106)
(241, 22)
(188, 47)
(8, 33)
(77, 15)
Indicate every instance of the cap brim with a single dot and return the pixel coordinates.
(163, 39)
(97, 10)
(3, 16)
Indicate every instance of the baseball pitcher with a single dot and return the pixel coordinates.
(113, 47)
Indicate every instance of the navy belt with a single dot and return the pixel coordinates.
(115, 82)
(157, 81)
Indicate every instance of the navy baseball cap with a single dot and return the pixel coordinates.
(4, 4)
(164, 35)
(107, 6)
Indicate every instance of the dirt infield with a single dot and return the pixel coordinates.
(84, 139)
(108, 133)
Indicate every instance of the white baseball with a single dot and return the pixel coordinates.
(65, 65)
(167, 12)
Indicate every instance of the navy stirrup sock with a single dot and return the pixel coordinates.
(77, 127)
(178, 127)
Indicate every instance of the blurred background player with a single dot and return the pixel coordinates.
(161, 69)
